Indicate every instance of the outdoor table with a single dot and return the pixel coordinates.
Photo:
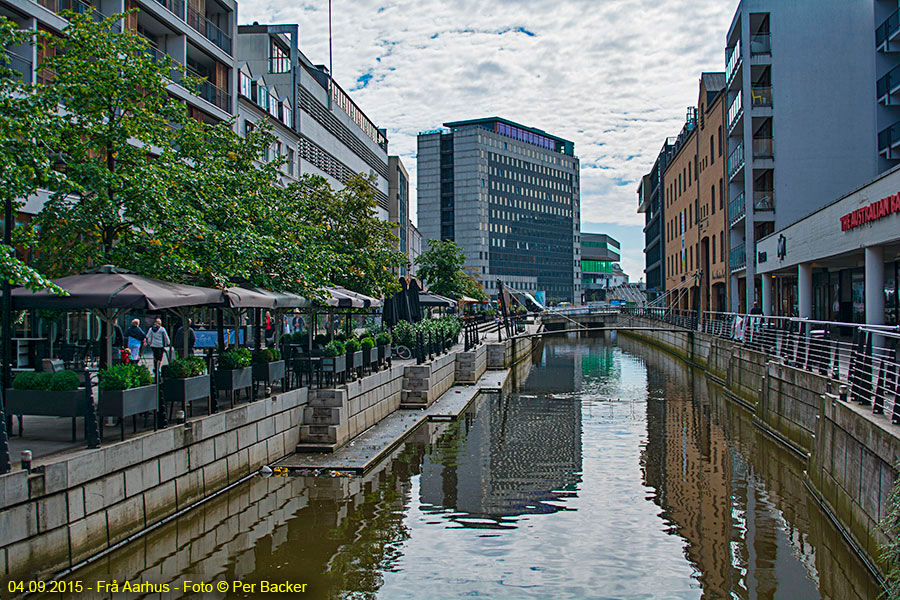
(307, 364)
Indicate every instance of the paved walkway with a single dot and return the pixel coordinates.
(371, 446)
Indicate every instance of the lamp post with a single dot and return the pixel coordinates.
(6, 343)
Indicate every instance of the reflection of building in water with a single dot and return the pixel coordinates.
(567, 366)
(710, 493)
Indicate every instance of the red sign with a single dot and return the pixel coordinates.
(873, 212)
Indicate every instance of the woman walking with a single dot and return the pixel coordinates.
(134, 335)
(158, 340)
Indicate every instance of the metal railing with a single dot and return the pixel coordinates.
(176, 7)
(732, 60)
(79, 7)
(209, 30)
(736, 209)
(760, 43)
(888, 28)
(886, 84)
(862, 359)
(20, 65)
(763, 147)
(735, 110)
(763, 199)
(208, 91)
(737, 258)
(888, 136)
(761, 95)
(736, 160)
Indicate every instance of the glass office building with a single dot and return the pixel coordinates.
(509, 196)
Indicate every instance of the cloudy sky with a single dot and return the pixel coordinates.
(614, 76)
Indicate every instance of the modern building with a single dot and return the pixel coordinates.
(336, 138)
(694, 201)
(652, 204)
(398, 206)
(413, 246)
(599, 268)
(509, 196)
(840, 263)
(801, 126)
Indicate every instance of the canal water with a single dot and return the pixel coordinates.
(612, 471)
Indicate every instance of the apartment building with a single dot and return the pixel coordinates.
(651, 203)
(600, 254)
(681, 205)
(398, 209)
(509, 196)
(802, 126)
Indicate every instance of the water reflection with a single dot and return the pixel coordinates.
(614, 472)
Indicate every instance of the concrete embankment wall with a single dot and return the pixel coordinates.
(79, 506)
(852, 454)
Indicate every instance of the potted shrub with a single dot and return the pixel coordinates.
(354, 355)
(335, 360)
(384, 345)
(184, 380)
(370, 351)
(267, 365)
(48, 394)
(234, 372)
(126, 390)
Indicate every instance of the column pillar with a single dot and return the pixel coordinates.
(767, 283)
(804, 290)
(733, 297)
(875, 285)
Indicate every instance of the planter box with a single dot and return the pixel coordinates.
(372, 357)
(125, 403)
(46, 403)
(186, 390)
(231, 380)
(334, 364)
(384, 352)
(355, 360)
(268, 372)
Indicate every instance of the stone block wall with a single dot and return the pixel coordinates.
(471, 365)
(423, 384)
(503, 355)
(80, 505)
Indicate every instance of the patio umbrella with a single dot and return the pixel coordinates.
(338, 299)
(391, 311)
(435, 300)
(368, 301)
(415, 308)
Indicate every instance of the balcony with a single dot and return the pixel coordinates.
(763, 147)
(760, 44)
(888, 138)
(20, 65)
(176, 7)
(888, 85)
(761, 96)
(736, 161)
(736, 210)
(79, 7)
(763, 200)
(209, 30)
(738, 258)
(735, 111)
(732, 60)
(888, 30)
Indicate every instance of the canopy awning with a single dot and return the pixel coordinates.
(285, 300)
(337, 299)
(368, 301)
(238, 297)
(109, 287)
(435, 300)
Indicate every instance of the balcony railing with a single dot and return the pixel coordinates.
(888, 28)
(763, 147)
(761, 95)
(209, 30)
(886, 84)
(736, 209)
(19, 64)
(738, 257)
(732, 60)
(79, 7)
(888, 137)
(735, 110)
(760, 44)
(209, 91)
(763, 200)
(736, 160)
(176, 7)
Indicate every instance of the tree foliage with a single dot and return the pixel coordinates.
(441, 267)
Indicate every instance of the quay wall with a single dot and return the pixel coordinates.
(75, 507)
(852, 454)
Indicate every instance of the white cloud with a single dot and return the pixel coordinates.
(614, 76)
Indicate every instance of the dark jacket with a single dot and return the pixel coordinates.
(135, 332)
(178, 341)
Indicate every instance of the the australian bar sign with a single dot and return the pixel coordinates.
(874, 211)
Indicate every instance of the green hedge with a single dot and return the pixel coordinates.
(63, 381)
(125, 377)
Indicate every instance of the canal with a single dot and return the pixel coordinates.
(612, 471)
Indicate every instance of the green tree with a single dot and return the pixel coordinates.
(441, 267)
(26, 140)
(890, 550)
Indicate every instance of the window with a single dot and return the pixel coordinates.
(712, 149)
(248, 128)
(262, 97)
(279, 60)
(712, 200)
(273, 105)
(714, 249)
(290, 164)
(244, 84)
(720, 140)
(287, 115)
(722, 246)
(721, 195)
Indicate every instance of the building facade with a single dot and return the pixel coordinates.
(599, 271)
(682, 266)
(398, 206)
(651, 203)
(799, 134)
(509, 195)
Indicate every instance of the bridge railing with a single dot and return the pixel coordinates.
(863, 359)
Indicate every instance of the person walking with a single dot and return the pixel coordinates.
(134, 337)
(179, 340)
(158, 340)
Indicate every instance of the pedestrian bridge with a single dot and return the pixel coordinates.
(594, 319)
